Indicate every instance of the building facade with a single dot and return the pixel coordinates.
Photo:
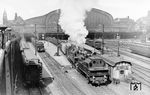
(94, 21)
(48, 22)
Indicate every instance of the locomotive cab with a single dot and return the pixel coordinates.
(99, 71)
(95, 69)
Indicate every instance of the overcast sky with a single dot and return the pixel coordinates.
(31, 8)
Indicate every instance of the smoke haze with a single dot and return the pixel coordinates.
(73, 14)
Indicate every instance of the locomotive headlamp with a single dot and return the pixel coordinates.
(93, 77)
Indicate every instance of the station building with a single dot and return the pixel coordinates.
(94, 22)
(48, 22)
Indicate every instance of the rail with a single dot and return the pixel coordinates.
(35, 91)
(67, 86)
(140, 73)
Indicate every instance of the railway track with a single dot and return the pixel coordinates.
(140, 73)
(135, 56)
(35, 91)
(142, 69)
(139, 78)
(100, 90)
(64, 83)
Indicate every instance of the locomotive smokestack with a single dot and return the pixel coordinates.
(73, 14)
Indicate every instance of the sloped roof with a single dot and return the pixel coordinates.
(114, 60)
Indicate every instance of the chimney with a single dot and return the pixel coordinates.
(16, 16)
(5, 18)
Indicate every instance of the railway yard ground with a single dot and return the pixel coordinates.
(73, 83)
(68, 81)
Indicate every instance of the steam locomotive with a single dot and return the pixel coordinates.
(95, 70)
(40, 46)
(32, 67)
(96, 44)
(90, 65)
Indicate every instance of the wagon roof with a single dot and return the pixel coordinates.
(29, 54)
(114, 60)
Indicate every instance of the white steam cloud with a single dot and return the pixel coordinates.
(73, 14)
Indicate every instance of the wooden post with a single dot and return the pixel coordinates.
(35, 40)
(118, 38)
(103, 39)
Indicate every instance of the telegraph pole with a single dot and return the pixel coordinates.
(103, 39)
(35, 40)
(118, 38)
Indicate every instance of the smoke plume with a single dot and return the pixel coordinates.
(73, 14)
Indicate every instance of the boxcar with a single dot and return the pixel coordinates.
(32, 67)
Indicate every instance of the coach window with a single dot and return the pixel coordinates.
(90, 64)
(100, 61)
(94, 62)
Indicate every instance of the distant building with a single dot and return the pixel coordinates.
(143, 24)
(17, 20)
(124, 24)
(17, 24)
(94, 21)
(48, 22)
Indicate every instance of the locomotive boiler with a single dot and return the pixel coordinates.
(90, 65)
